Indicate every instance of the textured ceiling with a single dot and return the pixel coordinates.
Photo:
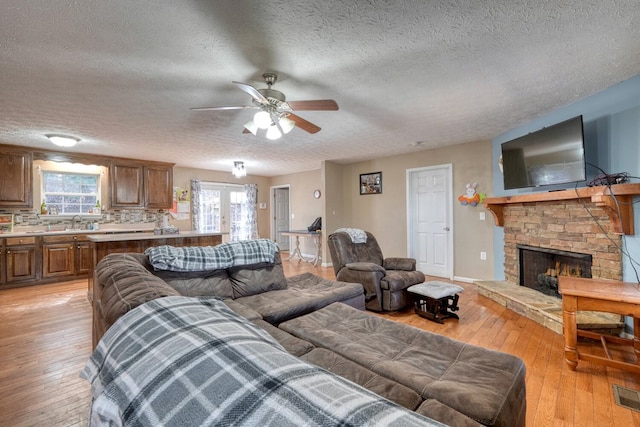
(122, 75)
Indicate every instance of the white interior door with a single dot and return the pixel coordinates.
(430, 219)
(281, 216)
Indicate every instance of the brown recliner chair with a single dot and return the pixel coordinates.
(384, 279)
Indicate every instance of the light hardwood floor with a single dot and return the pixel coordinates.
(45, 340)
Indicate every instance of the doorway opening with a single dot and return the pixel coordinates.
(280, 208)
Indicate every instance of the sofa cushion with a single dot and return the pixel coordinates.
(256, 278)
(293, 345)
(198, 283)
(382, 386)
(242, 310)
(483, 384)
(305, 293)
(125, 283)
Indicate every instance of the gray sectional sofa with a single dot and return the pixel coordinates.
(323, 323)
(257, 291)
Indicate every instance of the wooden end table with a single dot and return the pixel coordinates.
(598, 295)
(316, 235)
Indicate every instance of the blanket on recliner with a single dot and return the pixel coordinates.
(180, 361)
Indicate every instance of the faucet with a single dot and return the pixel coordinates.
(73, 224)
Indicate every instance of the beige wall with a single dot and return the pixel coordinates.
(335, 212)
(182, 178)
(304, 207)
(385, 214)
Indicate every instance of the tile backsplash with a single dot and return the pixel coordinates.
(28, 218)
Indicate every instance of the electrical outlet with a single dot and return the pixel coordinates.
(483, 256)
(482, 216)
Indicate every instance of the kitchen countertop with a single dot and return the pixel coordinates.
(146, 236)
(106, 230)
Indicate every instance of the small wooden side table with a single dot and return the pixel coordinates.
(598, 295)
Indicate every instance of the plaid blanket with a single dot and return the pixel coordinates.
(202, 258)
(180, 361)
(357, 235)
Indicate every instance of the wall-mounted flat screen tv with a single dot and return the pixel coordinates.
(553, 155)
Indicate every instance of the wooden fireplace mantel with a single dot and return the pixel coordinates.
(619, 208)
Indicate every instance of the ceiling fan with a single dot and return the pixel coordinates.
(276, 113)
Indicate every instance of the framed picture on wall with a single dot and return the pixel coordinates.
(371, 183)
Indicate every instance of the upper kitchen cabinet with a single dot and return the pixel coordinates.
(138, 185)
(15, 179)
(158, 186)
(126, 184)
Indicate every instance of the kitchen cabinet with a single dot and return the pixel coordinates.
(133, 184)
(84, 256)
(15, 178)
(126, 185)
(158, 186)
(137, 185)
(20, 260)
(57, 256)
(66, 255)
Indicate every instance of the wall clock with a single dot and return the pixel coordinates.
(317, 194)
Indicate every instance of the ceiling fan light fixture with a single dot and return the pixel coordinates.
(63, 140)
(286, 124)
(273, 132)
(238, 170)
(251, 127)
(262, 119)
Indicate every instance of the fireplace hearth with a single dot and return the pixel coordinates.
(540, 267)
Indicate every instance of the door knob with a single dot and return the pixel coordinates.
(446, 229)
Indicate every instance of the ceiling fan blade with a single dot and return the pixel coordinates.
(239, 107)
(304, 124)
(255, 94)
(317, 104)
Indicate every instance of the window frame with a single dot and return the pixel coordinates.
(85, 210)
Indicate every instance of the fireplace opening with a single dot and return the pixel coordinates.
(541, 267)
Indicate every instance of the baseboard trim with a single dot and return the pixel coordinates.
(464, 279)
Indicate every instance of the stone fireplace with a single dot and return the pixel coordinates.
(568, 225)
(564, 224)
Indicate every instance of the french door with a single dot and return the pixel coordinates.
(222, 208)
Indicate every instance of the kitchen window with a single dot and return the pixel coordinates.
(68, 193)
